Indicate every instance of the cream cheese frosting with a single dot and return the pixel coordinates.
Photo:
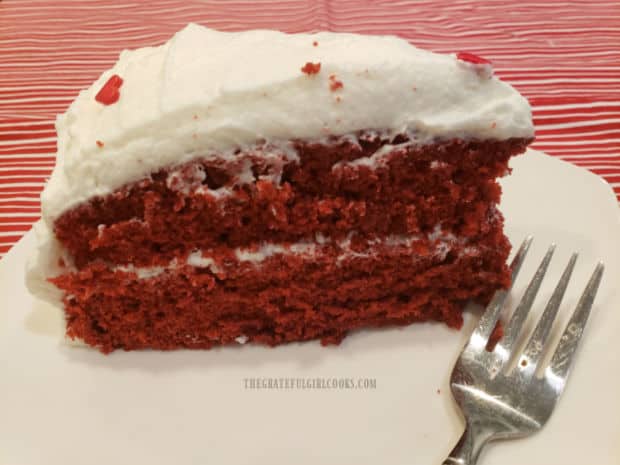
(206, 93)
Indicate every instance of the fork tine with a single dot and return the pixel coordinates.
(564, 354)
(519, 257)
(523, 308)
(489, 318)
(534, 347)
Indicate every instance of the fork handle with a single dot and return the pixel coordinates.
(467, 450)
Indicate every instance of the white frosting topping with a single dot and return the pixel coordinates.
(206, 93)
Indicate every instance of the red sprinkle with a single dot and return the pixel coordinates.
(110, 92)
(311, 68)
(315, 43)
(471, 58)
(99, 143)
(334, 84)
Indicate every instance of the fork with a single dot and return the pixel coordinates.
(502, 401)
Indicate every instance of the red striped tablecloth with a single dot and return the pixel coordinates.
(563, 56)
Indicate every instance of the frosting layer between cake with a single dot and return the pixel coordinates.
(207, 93)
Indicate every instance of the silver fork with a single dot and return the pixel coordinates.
(500, 401)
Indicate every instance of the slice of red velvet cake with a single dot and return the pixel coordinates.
(264, 187)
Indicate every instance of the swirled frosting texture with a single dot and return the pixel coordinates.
(206, 93)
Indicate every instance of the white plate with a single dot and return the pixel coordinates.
(63, 405)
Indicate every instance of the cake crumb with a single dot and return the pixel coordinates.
(334, 83)
(438, 391)
(195, 116)
(414, 88)
(496, 335)
(338, 99)
(99, 143)
(493, 125)
(311, 68)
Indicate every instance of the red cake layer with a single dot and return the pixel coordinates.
(176, 210)
(410, 235)
(337, 288)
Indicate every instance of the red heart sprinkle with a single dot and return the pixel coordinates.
(334, 83)
(110, 92)
(471, 58)
(311, 68)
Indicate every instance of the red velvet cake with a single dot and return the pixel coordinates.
(285, 188)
